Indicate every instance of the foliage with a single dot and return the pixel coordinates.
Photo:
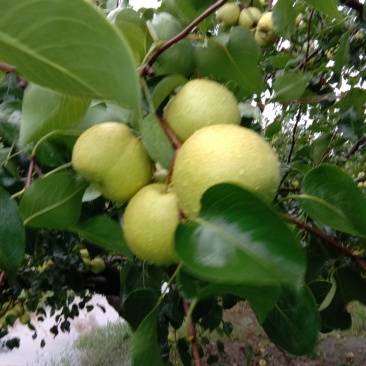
(70, 65)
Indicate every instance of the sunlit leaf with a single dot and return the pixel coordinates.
(290, 85)
(331, 197)
(238, 239)
(53, 201)
(45, 111)
(328, 7)
(101, 65)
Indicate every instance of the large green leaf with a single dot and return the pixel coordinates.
(328, 7)
(45, 111)
(284, 16)
(70, 47)
(103, 232)
(290, 85)
(145, 347)
(343, 56)
(294, 323)
(156, 141)
(12, 234)
(238, 239)
(331, 197)
(53, 201)
(232, 58)
(261, 298)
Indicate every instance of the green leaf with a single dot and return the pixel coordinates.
(138, 305)
(319, 147)
(103, 112)
(228, 60)
(133, 28)
(238, 239)
(331, 197)
(53, 201)
(101, 66)
(12, 234)
(261, 298)
(290, 85)
(349, 286)
(45, 111)
(145, 347)
(103, 232)
(342, 57)
(294, 322)
(156, 141)
(10, 118)
(272, 129)
(283, 17)
(165, 87)
(328, 7)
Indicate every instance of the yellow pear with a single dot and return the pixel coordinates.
(249, 17)
(228, 14)
(265, 34)
(113, 159)
(149, 224)
(223, 154)
(200, 103)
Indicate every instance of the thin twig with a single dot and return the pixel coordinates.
(192, 335)
(358, 261)
(353, 150)
(293, 141)
(28, 180)
(6, 67)
(146, 68)
(2, 278)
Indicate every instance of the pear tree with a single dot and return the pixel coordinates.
(182, 160)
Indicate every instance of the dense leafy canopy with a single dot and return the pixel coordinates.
(66, 66)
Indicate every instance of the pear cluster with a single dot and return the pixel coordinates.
(250, 18)
(205, 117)
(11, 311)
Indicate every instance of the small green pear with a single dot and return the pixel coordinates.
(200, 103)
(228, 14)
(149, 223)
(249, 17)
(113, 159)
(97, 265)
(265, 33)
(25, 318)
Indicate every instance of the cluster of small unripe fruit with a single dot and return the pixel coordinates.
(204, 115)
(10, 311)
(252, 18)
(361, 180)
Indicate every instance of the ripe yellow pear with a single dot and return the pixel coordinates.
(149, 224)
(265, 34)
(228, 14)
(249, 17)
(200, 103)
(223, 154)
(113, 159)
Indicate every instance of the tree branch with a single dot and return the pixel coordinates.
(147, 67)
(336, 244)
(192, 336)
(354, 148)
(6, 67)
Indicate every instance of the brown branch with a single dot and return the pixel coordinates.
(354, 148)
(2, 278)
(293, 141)
(336, 244)
(146, 68)
(192, 337)
(6, 67)
(28, 180)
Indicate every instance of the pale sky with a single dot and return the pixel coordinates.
(144, 3)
